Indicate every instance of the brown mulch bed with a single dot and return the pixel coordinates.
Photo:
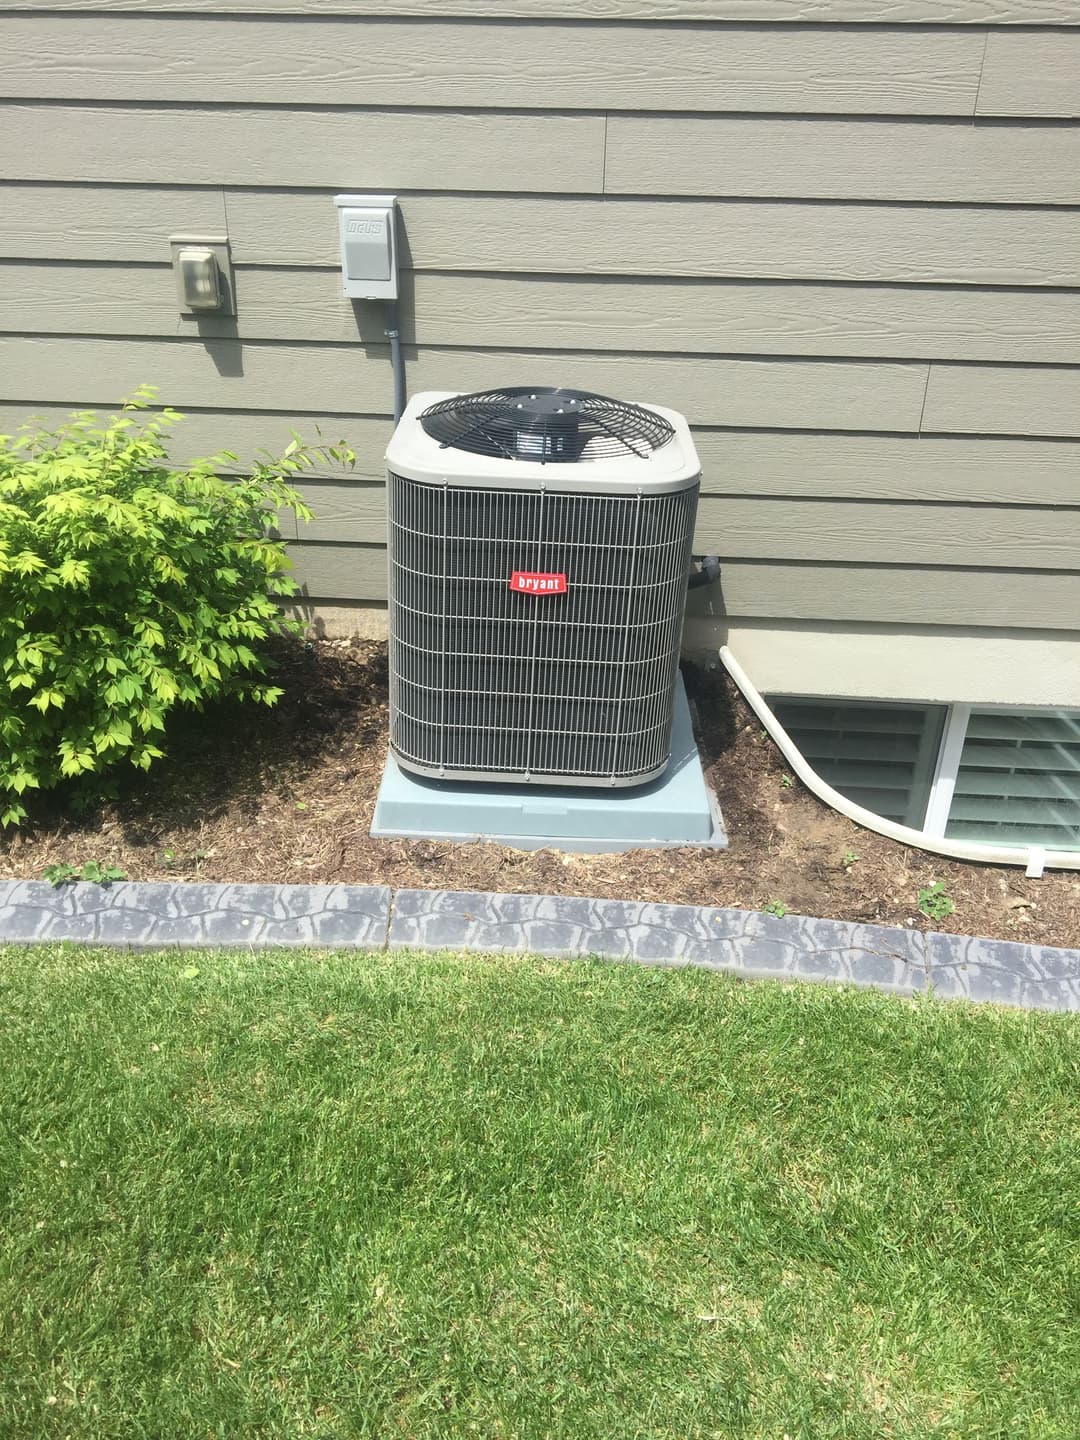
(249, 794)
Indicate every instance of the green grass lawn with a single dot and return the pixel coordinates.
(346, 1195)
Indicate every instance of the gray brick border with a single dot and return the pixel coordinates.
(741, 942)
(193, 916)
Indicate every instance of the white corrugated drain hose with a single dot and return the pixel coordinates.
(1033, 858)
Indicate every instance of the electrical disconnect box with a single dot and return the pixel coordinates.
(368, 231)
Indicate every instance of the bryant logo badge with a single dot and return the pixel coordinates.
(536, 582)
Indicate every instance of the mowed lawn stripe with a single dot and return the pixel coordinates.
(374, 1195)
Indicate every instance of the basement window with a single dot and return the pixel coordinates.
(1018, 781)
(998, 776)
(881, 756)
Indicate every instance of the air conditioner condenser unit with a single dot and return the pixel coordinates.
(539, 548)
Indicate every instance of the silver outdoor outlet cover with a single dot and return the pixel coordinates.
(202, 267)
(367, 230)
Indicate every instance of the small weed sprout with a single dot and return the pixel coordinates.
(59, 874)
(934, 903)
(849, 859)
(775, 907)
(786, 782)
(93, 872)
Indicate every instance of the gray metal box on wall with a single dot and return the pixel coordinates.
(367, 227)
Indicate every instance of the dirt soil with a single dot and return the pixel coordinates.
(249, 794)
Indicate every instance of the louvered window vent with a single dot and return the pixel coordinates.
(1019, 780)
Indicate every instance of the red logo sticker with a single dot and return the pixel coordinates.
(535, 582)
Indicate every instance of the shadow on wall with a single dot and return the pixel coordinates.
(219, 333)
(706, 602)
(336, 619)
(227, 354)
(223, 336)
(706, 627)
(221, 340)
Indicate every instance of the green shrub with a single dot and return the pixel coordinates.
(128, 587)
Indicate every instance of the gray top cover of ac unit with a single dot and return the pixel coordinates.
(413, 454)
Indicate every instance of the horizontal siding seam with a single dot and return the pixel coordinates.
(596, 112)
(893, 566)
(690, 14)
(149, 13)
(658, 280)
(415, 350)
(649, 197)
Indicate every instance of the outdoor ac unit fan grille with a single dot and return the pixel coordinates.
(573, 688)
(545, 425)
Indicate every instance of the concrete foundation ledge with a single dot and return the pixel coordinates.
(741, 942)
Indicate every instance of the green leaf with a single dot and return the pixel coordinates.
(167, 569)
(59, 874)
(21, 781)
(76, 762)
(142, 756)
(150, 632)
(119, 732)
(27, 563)
(190, 973)
(44, 698)
(74, 572)
(150, 718)
(98, 874)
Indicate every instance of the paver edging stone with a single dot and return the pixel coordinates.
(193, 915)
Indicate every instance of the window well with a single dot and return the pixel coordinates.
(995, 776)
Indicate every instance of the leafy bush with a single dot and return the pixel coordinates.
(128, 587)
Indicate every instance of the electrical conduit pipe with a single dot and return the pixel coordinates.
(1034, 859)
(397, 359)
